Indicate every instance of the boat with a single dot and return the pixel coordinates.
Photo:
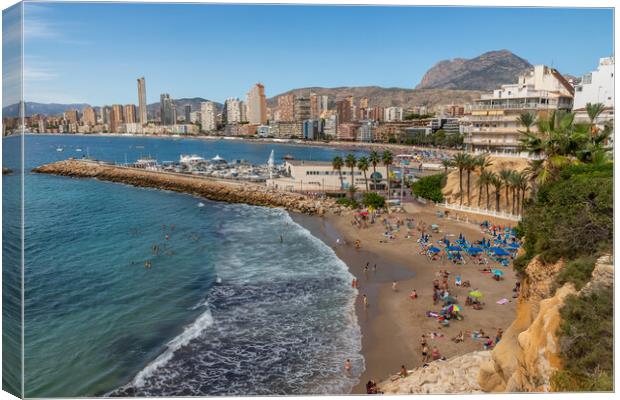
(218, 160)
(59, 149)
(78, 149)
(288, 157)
(190, 159)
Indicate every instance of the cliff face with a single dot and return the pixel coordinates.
(528, 354)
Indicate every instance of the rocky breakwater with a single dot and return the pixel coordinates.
(455, 375)
(217, 190)
(528, 354)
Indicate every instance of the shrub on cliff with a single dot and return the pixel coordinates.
(429, 187)
(586, 343)
(570, 217)
(372, 199)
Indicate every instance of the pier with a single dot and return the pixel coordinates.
(209, 188)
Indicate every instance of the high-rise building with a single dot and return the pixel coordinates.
(232, 110)
(130, 114)
(116, 117)
(188, 111)
(343, 110)
(174, 113)
(142, 112)
(302, 108)
(105, 115)
(71, 116)
(257, 105)
(208, 113)
(286, 107)
(243, 111)
(165, 107)
(89, 116)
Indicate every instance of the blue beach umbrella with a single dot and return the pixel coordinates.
(499, 251)
(474, 250)
(498, 272)
(434, 249)
(453, 248)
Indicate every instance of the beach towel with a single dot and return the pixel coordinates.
(502, 301)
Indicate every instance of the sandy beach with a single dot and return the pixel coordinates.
(392, 324)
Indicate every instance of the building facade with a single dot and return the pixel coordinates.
(596, 87)
(89, 116)
(166, 113)
(129, 114)
(257, 105)
(208, 115)
(493, 123)
(232, 110)
(142, 111)
(302, 108)
(286, 108)
(393, 114)
(317, 176)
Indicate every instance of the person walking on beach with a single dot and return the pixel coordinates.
(365, 301)
(347, 365)
(394, 286)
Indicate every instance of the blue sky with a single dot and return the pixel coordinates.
(94, 52)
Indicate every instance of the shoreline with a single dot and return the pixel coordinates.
(392, 325)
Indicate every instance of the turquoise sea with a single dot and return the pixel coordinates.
(225, 308)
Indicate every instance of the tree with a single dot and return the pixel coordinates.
(594, 110)
(337, 164)
(388, 158)
(470, 166)
(460, 161)
(482, 162)
(350, 161)
(505, 175)
(447, 163)
(372, 199)
(497, 185)
(523, 186)
(374, 159)
(362, 165)
(429, 187)
(526, 119)
(485, 180)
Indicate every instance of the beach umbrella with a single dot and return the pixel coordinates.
(475, 293)
(514, 245)
(499, 251)
(454, 308)
(434, 249)
(453, 248)
(498, 272)
(474, 250)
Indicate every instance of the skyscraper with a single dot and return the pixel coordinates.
(302, 108)
(286, 107)
(188, 111)
(105, 115)
(208, 115)
(71, 116)
(142, 114)
(344, 111)
(165, 109)
(89, 116)
(130, 113)
(232, 110)
(116, 117)
(257, 105)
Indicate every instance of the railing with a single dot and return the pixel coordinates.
(481, 211)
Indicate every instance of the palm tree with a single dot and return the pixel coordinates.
(337, 165)
(526, 119)
(522, 187)
(350, 162)
(460, 161)
(594, 110)
(505, 175)
(497, 182)
(470, 166)
(447, 163)
(514, 188)
(482, 162)
(374, 159)
(388, 158)
(485, 180)
(362, 165)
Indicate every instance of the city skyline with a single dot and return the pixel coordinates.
(117, 51)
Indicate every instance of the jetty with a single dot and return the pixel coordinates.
(209, 188)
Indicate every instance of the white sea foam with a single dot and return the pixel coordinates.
(190, 332)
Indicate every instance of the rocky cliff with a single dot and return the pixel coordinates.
(485, 72)
(528, 354)
(218, 190)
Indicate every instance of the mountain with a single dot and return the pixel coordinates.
(57, 109)
(387, 97)
(42, 108)
(485, 72)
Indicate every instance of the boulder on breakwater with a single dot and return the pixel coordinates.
(217, 190)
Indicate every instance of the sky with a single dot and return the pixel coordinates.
(93, 53)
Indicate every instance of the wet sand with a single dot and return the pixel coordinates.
(392, 325)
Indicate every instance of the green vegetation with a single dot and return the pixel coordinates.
(411, 116)
(578, 271)
(586, 343)
(436, 139)
(429, 187)
(372, 199)
(347, 202)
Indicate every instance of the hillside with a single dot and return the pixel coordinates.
(386, 97)
(485, 72)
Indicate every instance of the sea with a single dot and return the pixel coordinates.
(142, 292)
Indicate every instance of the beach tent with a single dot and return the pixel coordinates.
(475, 293)
(453, 248)
(434, 249)
(497, 272)
(454, 308)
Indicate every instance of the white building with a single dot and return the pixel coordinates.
(366, 132)
(330, 129)
(493, 123)
(232, 108)
(596, 87)
(393, 114)
(195, 117)
(208, 113)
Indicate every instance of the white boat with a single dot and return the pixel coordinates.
(59, 149)
(190, 159)
(78, 149)
(218, 160)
